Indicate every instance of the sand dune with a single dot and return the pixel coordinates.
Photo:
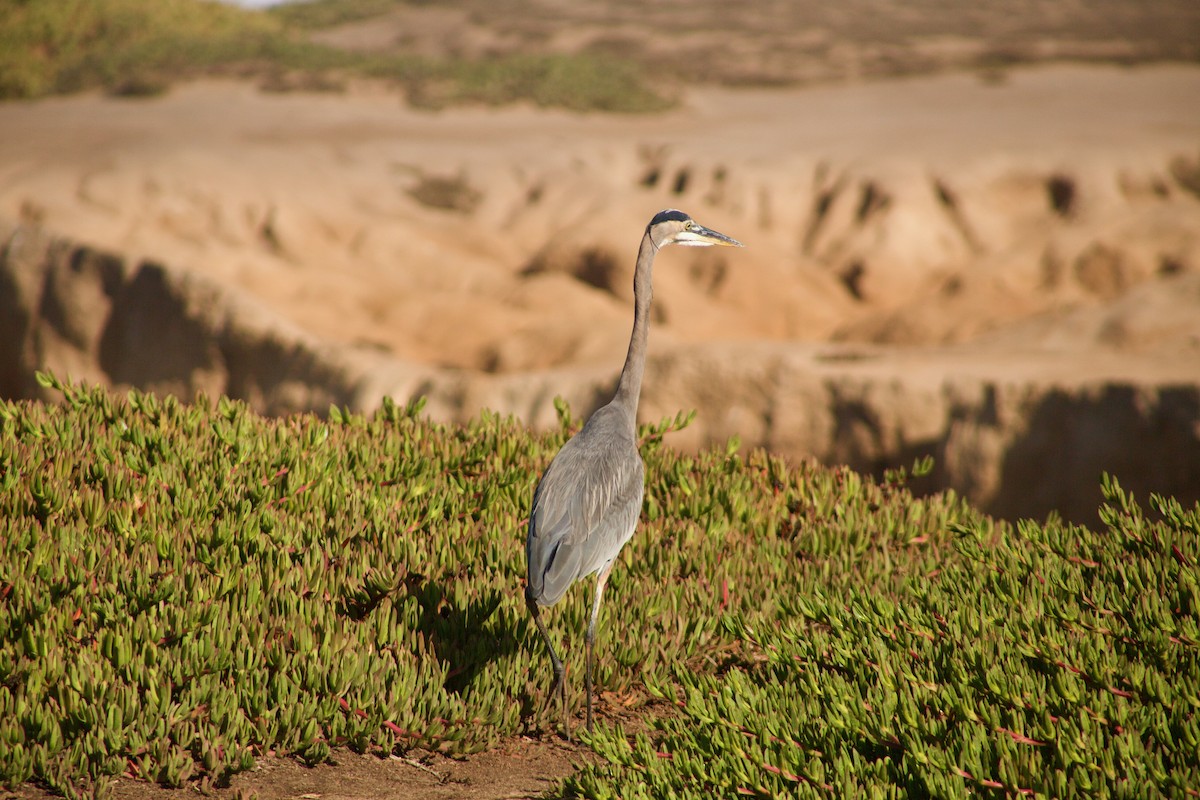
(1055, 212)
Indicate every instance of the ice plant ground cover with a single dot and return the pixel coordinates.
(185, 586)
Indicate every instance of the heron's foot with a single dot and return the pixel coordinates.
(566, 711)
(559, 690)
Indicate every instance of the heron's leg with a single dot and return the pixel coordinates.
(560, 671)
(601, 580)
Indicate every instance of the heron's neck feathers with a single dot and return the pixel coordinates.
(630, 386)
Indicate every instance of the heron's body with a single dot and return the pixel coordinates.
(587, 504)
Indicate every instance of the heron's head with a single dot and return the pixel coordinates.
(675, 227)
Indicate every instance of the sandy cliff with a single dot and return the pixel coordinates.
(1005, 276)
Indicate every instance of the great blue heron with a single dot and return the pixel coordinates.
(588, 502)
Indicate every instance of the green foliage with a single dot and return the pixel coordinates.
(123, 45)
(188, 586)
(318, 14)
(939, 658)
(579, 82)
(139, 47)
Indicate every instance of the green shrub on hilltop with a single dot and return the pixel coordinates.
(328, 13)
(188, 586)
(123, 45)
(577, 82)
(141, 47)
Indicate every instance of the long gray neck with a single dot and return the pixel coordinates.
(630, 386)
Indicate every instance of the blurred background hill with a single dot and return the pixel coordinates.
(974, 233)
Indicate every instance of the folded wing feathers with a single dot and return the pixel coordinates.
(585, 509)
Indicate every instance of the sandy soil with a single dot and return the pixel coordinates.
(521, 768)
(502, 240)
(789, 42)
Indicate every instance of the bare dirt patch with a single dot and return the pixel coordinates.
(523, 767)
(519, 768)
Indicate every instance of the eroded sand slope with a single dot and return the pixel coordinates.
(923, 240)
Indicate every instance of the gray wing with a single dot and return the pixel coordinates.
(584, 510)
